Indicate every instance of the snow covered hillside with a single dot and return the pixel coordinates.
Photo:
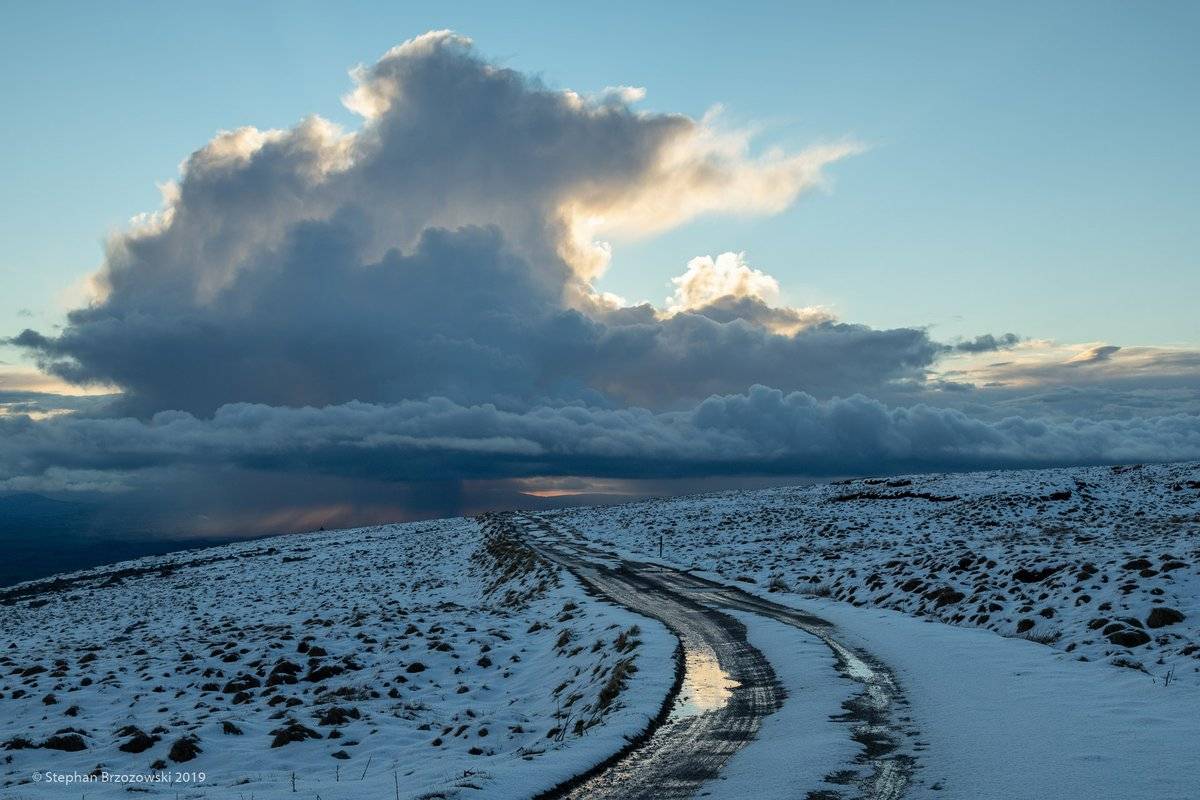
(392, 661)
(1102, 563)
(456, 659)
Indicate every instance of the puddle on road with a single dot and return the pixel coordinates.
(706, 687)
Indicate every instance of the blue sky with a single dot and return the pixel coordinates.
(1031, 168)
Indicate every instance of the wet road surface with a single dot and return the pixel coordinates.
(728, 687)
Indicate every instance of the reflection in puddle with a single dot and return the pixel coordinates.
(706, 687)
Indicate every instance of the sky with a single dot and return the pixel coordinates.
(563, 249)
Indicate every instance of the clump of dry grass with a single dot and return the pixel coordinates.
(618, 679)
(1042, 637)
(512, 566)
(627, 640)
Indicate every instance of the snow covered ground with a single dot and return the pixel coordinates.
(1007, 719)
(1056, 709)
(798, 737)
(998, 718)
(1044, 626)
(393, 661)
(1102, 563)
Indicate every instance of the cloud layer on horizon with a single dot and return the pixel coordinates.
(762, 430)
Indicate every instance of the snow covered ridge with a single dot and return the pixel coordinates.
(427, 659)
(1102, 563)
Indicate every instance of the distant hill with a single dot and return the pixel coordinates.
(40, 536)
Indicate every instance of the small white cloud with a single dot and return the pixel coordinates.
(728, 275)
(624, 95)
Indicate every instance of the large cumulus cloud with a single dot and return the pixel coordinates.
(446, 248)
(462, 316)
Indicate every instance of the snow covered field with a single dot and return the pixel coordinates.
(1003, 709)
(448, 660)
(1102, 563)
(1007, 719)
(400, 660)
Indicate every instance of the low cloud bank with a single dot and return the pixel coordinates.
(763, 430)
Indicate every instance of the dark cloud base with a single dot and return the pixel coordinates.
(762, 431)
(461, 317)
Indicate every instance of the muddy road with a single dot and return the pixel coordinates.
(727, 687)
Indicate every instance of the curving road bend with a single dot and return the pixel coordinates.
(728, 686)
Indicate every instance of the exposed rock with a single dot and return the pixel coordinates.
(283, 673)
(322, 673)
(1161, 616)
(241, 683)
(292, 732)
(945, 596)
(184, 749)
(70, 742)
(139, 741)
(1035, 575)
(336, 715)
(1129, 637)
(19, 743)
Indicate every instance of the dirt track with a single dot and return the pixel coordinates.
(728, 686)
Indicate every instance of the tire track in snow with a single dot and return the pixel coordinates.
(728, 686)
